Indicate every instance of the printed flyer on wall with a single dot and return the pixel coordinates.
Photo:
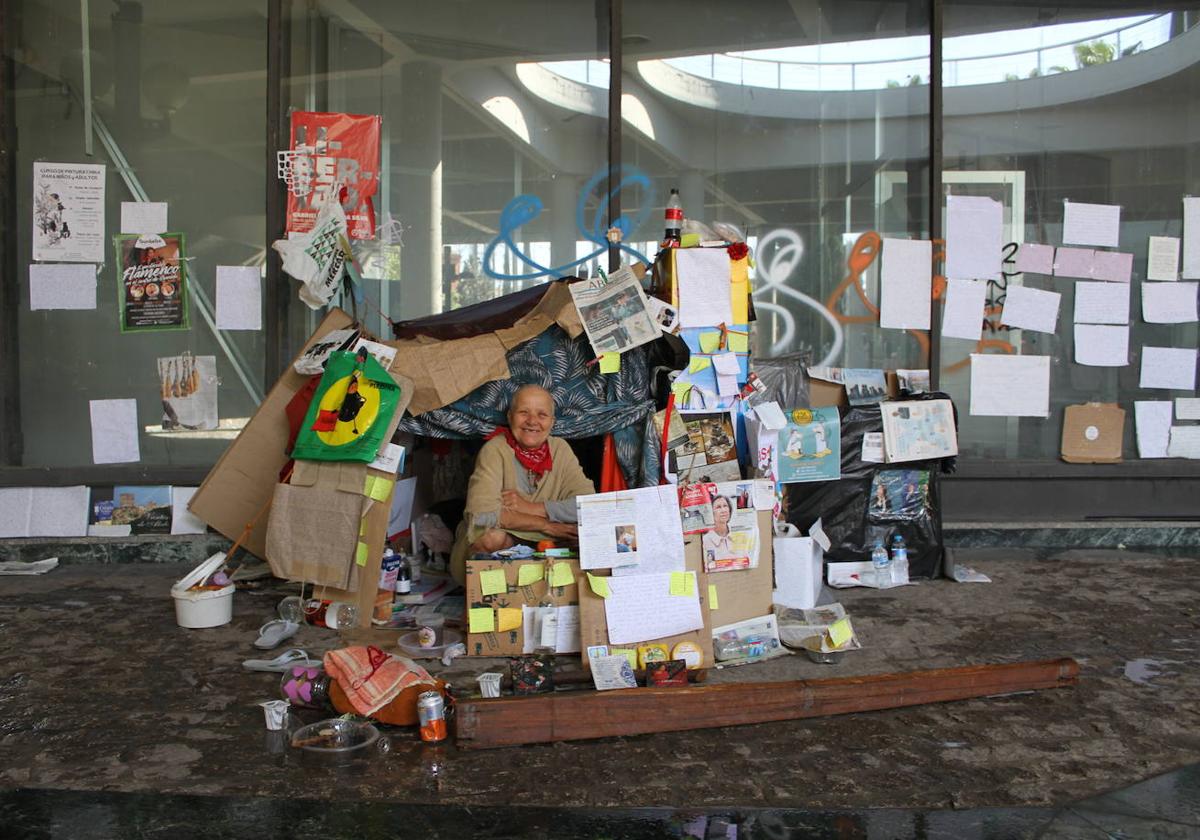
(333, 151)
(725, 515)
(68, 212)
(809, 446)
(153, 290)
(188, 386)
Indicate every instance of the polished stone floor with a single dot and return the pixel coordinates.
(114, 722)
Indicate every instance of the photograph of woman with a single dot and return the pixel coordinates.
(730, 543)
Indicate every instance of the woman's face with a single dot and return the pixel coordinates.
(721, 511)
(531, 417)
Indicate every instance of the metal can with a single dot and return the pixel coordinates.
(431, 712)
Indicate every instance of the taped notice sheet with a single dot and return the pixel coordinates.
(918, 430)
(974, 237)
(1168, 367)
(1152, 421)
(631, 528)
(640, 608)
(1010, 386)
(614, 311)
(1091, 224)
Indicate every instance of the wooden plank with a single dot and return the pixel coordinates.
(508, 721)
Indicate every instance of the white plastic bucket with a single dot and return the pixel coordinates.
(206, 608)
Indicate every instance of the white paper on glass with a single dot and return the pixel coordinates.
(1152, 421)
(239, 298)
(906, 284)
(1162, 258)
(1074, 262)
(962, 316)
(1187, 408)
(640, 608)
(44, 511)
(62, 286)
(1184, 442)
(1035, 258)
(1091, 224)
(1169, 303)
(1114, 266)
(114, 431)
(1191, 239)
(1010, 386)
(1168, 367)
(1101, 303)
(1031, 309)
(144, 217)
(703, 279)
(1101, 345)
(183, 521)
(974, 237)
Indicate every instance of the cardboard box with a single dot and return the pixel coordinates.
(1093, 433)
(538, 593)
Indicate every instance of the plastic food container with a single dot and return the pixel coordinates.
(205, 607)
(335, 741)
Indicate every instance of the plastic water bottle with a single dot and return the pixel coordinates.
(672, 221)
(899, 558)
(883, 566)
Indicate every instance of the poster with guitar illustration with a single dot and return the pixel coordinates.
(188, 386)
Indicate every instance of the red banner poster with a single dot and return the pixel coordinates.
(333, 151)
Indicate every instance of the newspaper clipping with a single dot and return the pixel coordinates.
(615, 313)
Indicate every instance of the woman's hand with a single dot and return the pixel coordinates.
(513, 501)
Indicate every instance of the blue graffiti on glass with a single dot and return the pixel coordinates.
(525, 208)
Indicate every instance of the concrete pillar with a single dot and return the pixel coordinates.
(417, 191)
(564, 195)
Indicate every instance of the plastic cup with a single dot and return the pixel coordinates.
(291, 609)
(275, 712)
(489, 684)
(432, 632)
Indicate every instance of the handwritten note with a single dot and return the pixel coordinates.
(683, 584)
(905, 284)
(598, 584)
(1187, 408)
(1091, 224)
(44, 511)
(641, 608)
(1074, 262)
(1101, 303)
(703, 279)
(1010, 386)
(62, 286)
(1034, 258)
(492, 582)
(1191, 239)
(1152, 420)
(1169, 303)
(144, 217)
(1162, 258)
(610, 362)
(1184, 442)
(239, 298)
(1113, 266)
(963, 313)
(114, 431)
(530, 573)
(1168, 367)
(631, 528)
(710, 341)
(974, 237)
(561, 575)
(1099, 345)
(481, 620)
(1031, 309)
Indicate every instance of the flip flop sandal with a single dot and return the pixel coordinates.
(274, 633)
(287, 659)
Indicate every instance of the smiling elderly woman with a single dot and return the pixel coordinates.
(524, 485)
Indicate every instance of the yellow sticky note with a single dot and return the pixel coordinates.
(492, 582)
(561, 575)
(599, 585)
(739, 290)
(689, 240)
(628, 653)
(377, 487)
(709, 342)
(360, 554)
(530, 573)
(482, 620)
(610, 362)
(840, 632)
(739, 342)
(699, 363)
(680, 389)
(362, 527)
(683, 583)
(508, 618)
(712, 596)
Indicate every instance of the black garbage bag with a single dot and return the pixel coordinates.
(871, 502)
(785, 379)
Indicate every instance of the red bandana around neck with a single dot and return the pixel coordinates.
(537, 461)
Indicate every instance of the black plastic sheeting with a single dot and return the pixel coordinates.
(873, 502)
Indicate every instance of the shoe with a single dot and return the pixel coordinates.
(288, 659)
(274, 633)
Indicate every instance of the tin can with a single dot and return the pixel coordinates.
(431, 712)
